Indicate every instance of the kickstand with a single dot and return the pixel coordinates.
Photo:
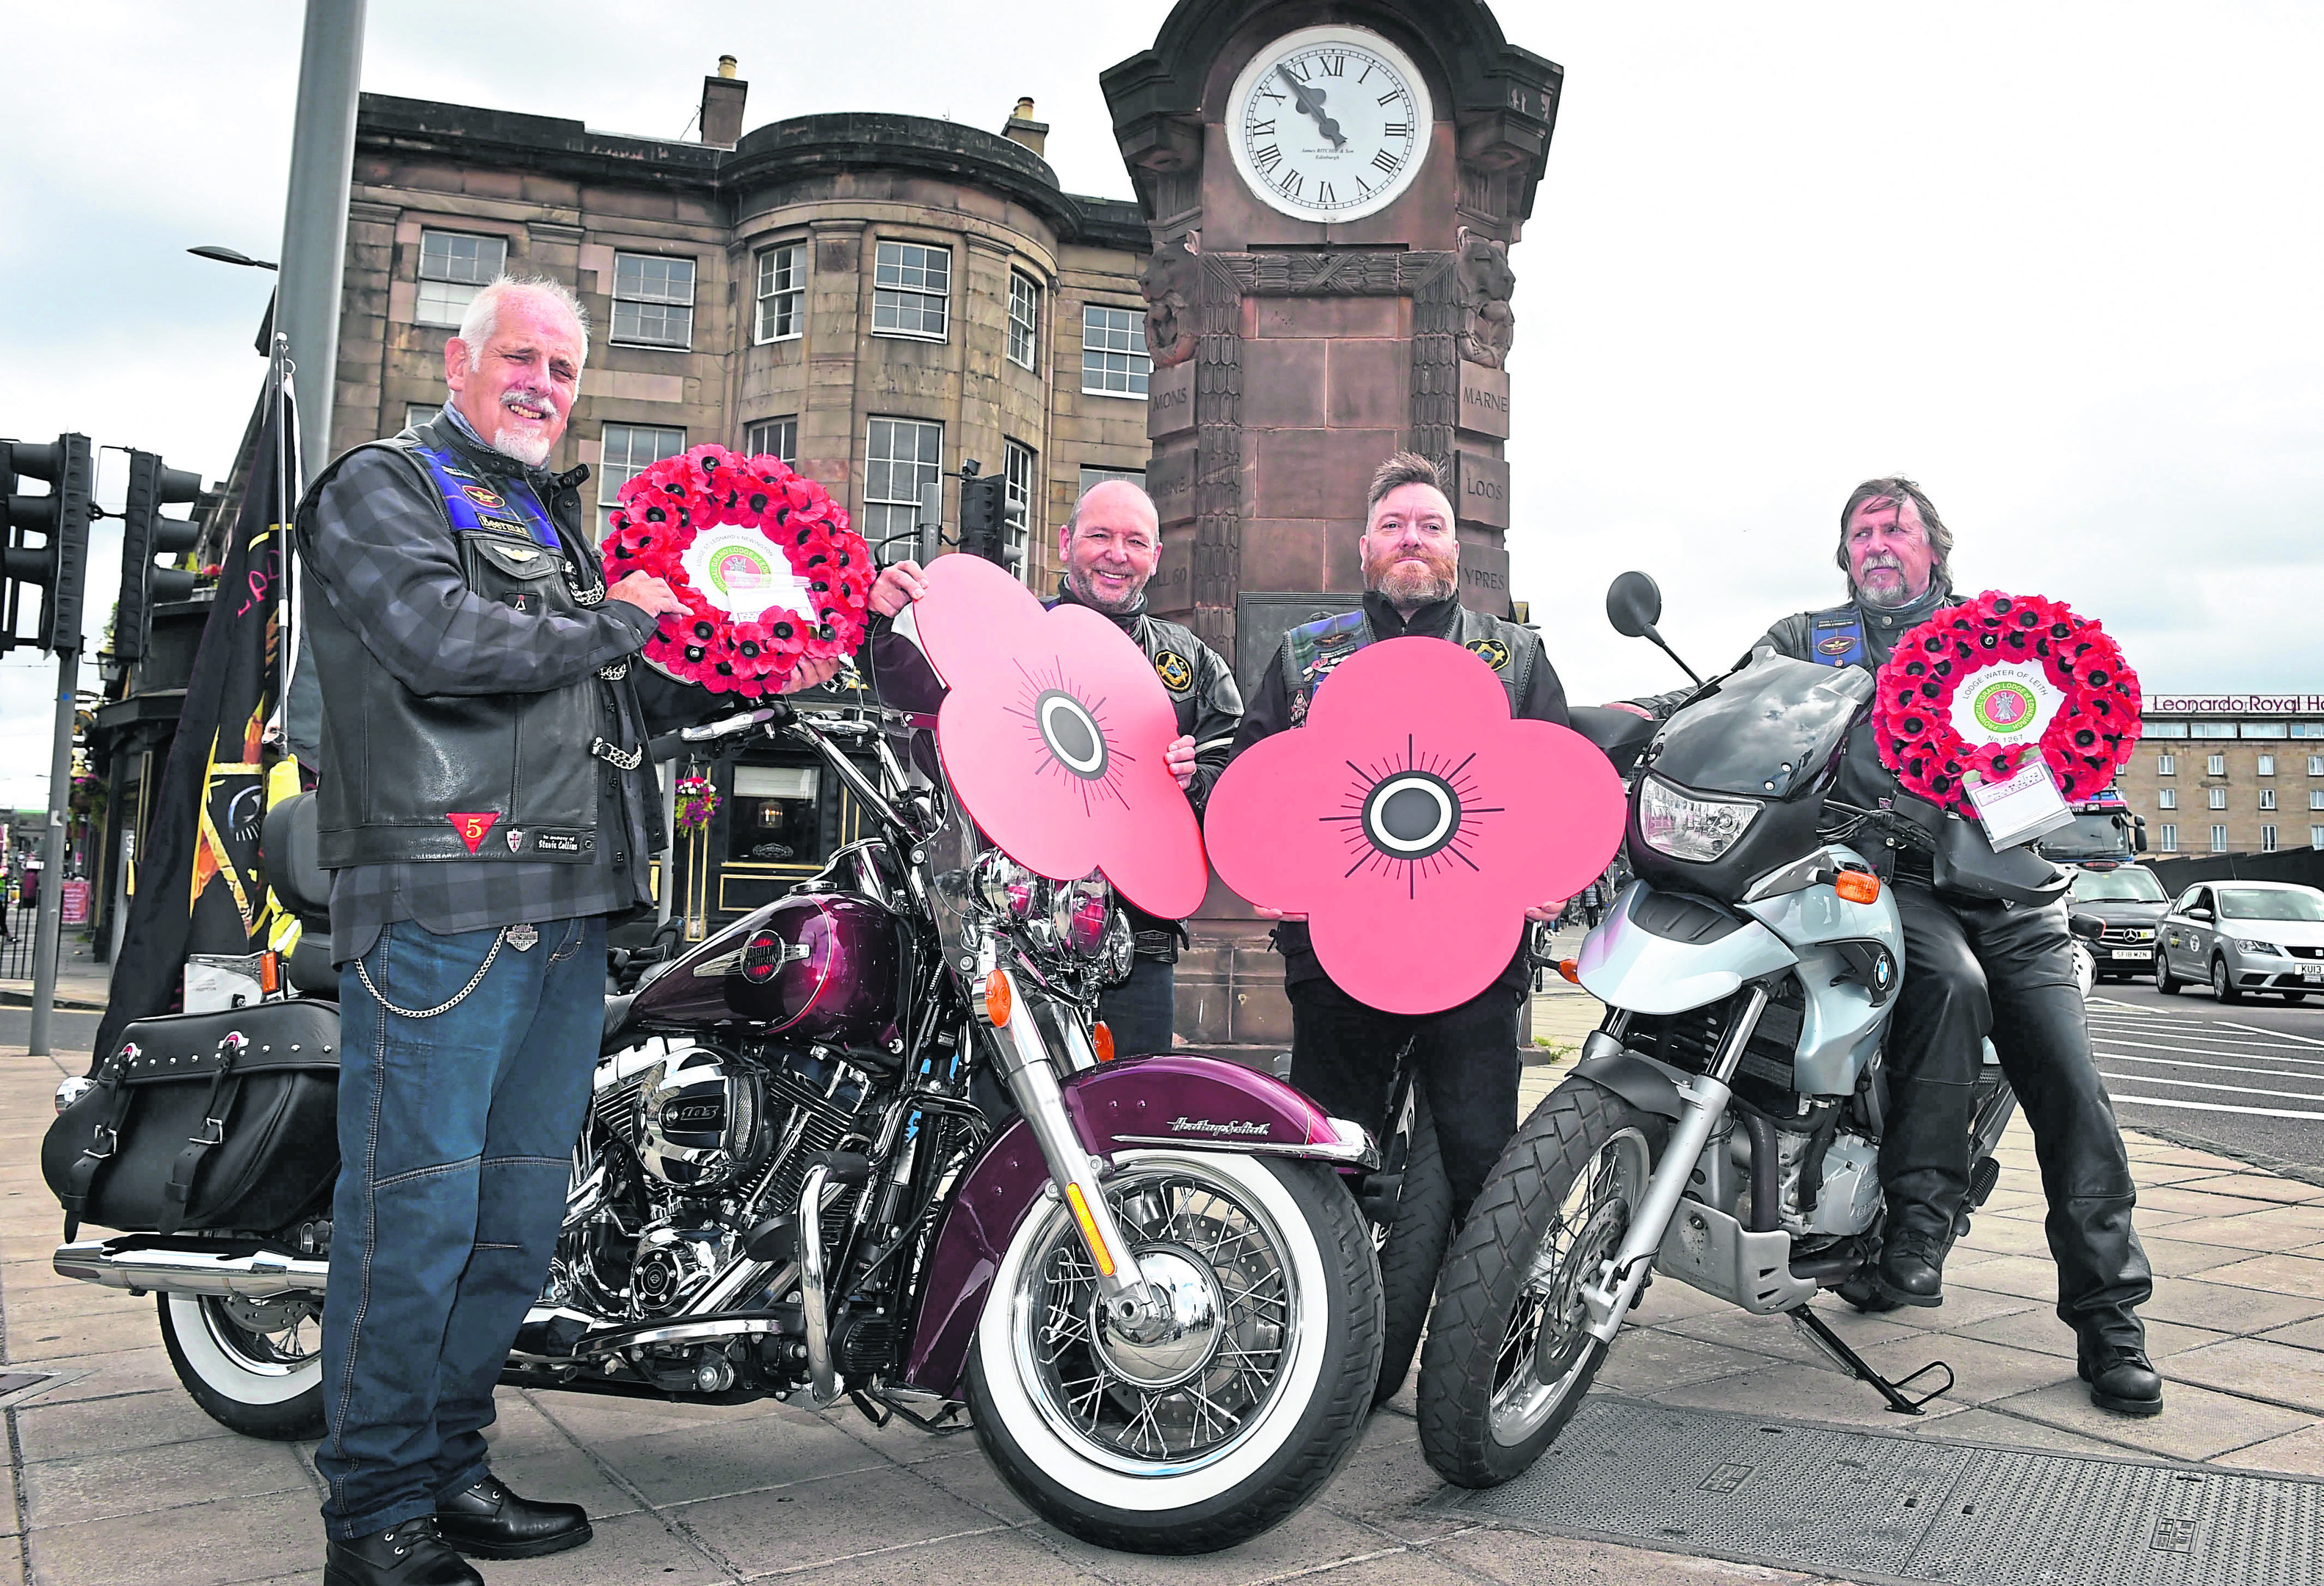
(1837, 1347)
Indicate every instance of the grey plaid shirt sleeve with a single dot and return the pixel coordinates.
(384, 559)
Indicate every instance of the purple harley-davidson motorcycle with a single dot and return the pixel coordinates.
(859, 1145)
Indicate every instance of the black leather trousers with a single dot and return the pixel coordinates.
(1974, 969)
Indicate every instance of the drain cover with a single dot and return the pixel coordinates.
(1860, 1503)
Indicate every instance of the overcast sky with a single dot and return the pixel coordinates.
(2058, 261)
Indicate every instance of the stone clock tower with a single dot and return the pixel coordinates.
(1333, 188)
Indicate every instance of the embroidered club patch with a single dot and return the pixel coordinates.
(481, 496)
(515, 839)
(1493, 653)
(1838, 644)
(1176, 675)
(472, 828)
(557, 843)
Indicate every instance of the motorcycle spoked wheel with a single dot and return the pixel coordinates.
(253, 1365)
(1508, 1358)
(1411, 1242)
(1208, 1438)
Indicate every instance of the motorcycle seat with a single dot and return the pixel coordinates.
(289, 842)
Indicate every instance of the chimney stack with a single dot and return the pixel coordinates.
(722, 105)
(1023, 129)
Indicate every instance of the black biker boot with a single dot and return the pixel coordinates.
(1925, 1172)
(408, 1554)
(489, 1521)
(2120, 1378)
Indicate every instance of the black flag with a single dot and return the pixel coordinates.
(201, 887)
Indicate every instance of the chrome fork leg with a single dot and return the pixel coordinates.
(1606, 1298)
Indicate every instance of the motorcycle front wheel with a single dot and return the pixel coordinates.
(253, 1365)
(1410, 1233)
(1508, 1358)
(1240, 1410)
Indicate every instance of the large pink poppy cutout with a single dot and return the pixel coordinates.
(1414, 823)
(1053, 734)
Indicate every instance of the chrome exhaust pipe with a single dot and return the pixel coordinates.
(122, 1263)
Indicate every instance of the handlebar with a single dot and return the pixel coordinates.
(668, 745)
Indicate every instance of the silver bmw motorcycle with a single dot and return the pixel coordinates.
(1723, 1125)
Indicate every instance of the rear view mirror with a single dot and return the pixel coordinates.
(2199, 913)
(2089, 927)
(1633, 604)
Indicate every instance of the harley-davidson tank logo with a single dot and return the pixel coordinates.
(1183, 1125)
(1838, 644)
(1172, 668)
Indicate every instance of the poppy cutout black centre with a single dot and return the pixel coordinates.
(1072, 734)
(1412, 815)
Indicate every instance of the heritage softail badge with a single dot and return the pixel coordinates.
(1183, 1125)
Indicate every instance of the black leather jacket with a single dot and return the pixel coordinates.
(499, 718)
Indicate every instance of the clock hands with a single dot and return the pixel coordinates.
(1311, 103)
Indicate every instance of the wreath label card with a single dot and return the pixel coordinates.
(2023, 807)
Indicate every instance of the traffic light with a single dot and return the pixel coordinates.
(146, 533)
(983, 526)
(57, 561)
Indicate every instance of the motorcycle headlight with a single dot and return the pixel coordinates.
(1116, 954)
(1008, 889)
(2260, 947)
(1078, 910)
(1687, 828)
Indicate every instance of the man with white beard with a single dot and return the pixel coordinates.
(1344, 1052)
(484, 806)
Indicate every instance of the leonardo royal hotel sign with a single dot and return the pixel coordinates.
(2235, 705)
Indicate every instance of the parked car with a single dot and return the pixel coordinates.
(2131, 902)
(2244, 936)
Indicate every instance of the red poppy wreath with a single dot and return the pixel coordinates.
(1414, 823)
(1984, 686)
(770, 572)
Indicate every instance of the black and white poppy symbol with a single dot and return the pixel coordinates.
(1421, 814)
(247, 813)
(1067, 733)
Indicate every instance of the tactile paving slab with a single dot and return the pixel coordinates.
(1907, 1509)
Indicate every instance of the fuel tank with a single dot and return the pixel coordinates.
(815, 967)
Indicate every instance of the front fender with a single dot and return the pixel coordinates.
(1645, 1084)
(1183, 1101)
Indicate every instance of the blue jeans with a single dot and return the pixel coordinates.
(456, 1140)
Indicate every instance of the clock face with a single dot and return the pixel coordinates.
(1329, 123)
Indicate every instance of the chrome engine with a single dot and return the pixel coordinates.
(683, 1157)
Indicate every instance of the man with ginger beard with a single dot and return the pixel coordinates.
(484, 806)
(1344, 1052)
(1973, 967)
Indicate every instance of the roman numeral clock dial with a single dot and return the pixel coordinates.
(1329, 123)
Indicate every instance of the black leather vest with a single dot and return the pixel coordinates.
(399, 768)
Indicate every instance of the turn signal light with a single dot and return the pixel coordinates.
(1858, 886)
(998, 998)
(1571, 969)
(1102, 1041)
(1098, 1252)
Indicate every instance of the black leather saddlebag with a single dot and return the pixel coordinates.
(205, 1122)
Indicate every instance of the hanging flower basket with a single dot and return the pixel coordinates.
(769, 570)
(697, 801)
(1984, 686)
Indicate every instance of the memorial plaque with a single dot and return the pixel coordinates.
(1484, 576)
(1170, 480)
(1481, 489)
(1170, 401)
(1484, 400)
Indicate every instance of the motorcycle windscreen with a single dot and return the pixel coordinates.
(1769, 728)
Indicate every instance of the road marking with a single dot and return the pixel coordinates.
(2215, 1068)
(2214, 1107)
(2198, 1051)
(2271, 1034)
(2201, 1085)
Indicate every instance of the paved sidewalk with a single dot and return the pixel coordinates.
(115, 1476)
(82, 983)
